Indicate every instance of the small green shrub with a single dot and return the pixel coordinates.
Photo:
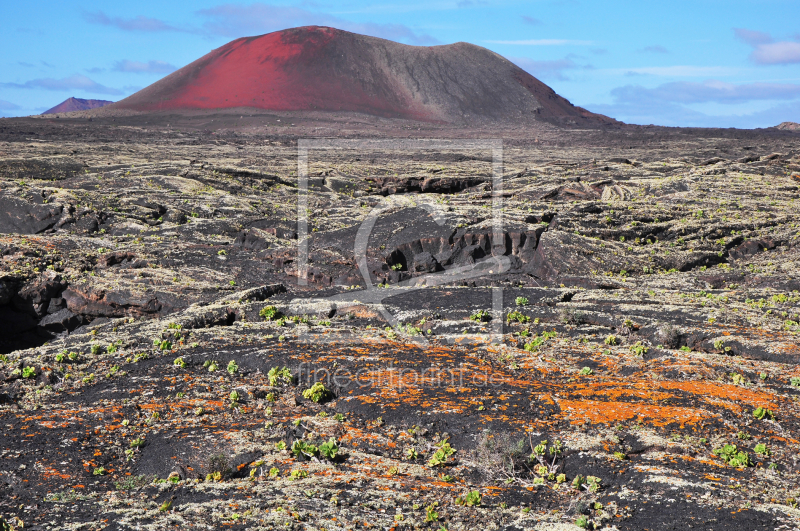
(517, 316)
(28, 372)
(481, 316)
(431, 514)
(731, 455)
(269, 313)
(301, 448)
(763, 413)
(586, 371)
(179, 363)
(232, 368)
(521, 301)
(316, 393)
(472, 499)
(279, 376)
(329, 449)
(611, 340)
(441, 454)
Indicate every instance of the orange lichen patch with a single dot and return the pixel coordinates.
(51, 424)
(50, 472)
(615, 390)
(596, 411)
(725, 391)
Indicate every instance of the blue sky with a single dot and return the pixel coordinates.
(709, 63)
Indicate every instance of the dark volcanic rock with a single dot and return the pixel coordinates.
(34, 298)
(110, 304)
(61, 321)
(22, 217)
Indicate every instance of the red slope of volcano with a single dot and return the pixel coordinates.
(325, 69)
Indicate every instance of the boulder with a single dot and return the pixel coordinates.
(18, 216)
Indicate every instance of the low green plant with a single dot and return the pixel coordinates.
(521, 301)
(235, 396)
(761, 449)
(443, 451)
(179, 363)
(329, 449)
(298, 474)
(232, 368)
(316, 393)
(795, 382)
(137, 443)
(162, 344)
(95, 349)
(586, 371)
(638, 349)
(732, 456)
(611, 340)
(431, 514)
(472, 499)
(481, 316)
(211, 365)
(301, 448)
(582, 521)
(762, 413)
(99, 471)
(518, 317)
(269, 313)
(279, 376)
(28, 372)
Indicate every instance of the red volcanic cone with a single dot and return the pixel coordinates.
(325, 69)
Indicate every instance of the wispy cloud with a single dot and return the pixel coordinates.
(685, 92)
(471, 3)
(675, 71)
(672, 114)
(234, 20)
(751, 37)
(530, 20)
(545, 42)
(74, 82)
(654, 49)
(26, 65)
(137, 24)
(549, 69)
(138, 67)
(766, 51)
(7, 106)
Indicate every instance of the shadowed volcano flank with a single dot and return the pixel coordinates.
(324, 69)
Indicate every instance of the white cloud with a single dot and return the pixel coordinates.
(150, 67)
(545, 42)
(74, 82)
(766, 51)
(136, 24)
(549, 69)
(709, 91)
(675, 71)
(777, 53)
(234, 20)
